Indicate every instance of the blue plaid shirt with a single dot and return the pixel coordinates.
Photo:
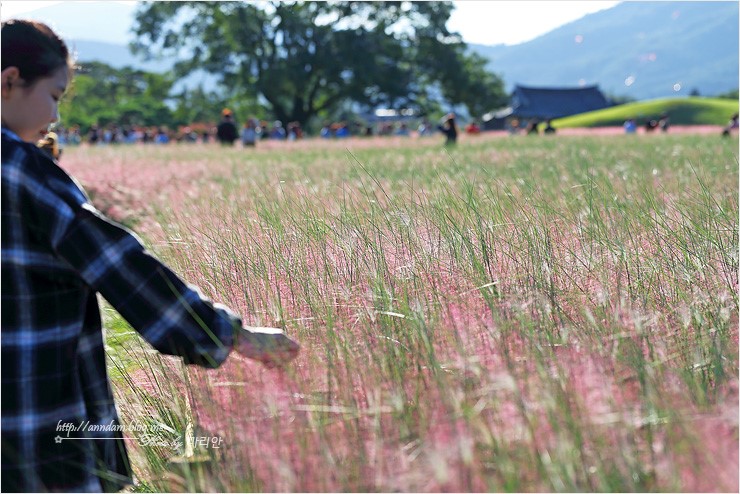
(58, 252)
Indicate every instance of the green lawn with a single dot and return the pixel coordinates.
(682, 111)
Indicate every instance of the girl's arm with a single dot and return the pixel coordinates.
(174, 317)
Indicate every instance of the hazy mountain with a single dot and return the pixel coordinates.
(111, 21)
(637, 49)
(114, 55)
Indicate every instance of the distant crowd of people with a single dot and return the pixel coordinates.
(529, 127)
(227, 132)
(253, 130)
(663, 123)
(425, 128)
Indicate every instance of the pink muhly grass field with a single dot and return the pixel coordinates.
(515, 314)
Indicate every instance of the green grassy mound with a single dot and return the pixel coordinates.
(682, 111)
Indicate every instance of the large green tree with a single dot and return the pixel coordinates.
(102, 94)
(305, 58)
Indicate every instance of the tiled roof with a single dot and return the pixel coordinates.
(544, 103)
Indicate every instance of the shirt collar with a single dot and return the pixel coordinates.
(11, 135)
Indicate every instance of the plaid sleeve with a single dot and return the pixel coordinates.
(175, 318)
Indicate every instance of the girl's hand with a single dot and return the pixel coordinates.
(269, 346)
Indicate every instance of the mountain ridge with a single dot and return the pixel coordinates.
(641, 50)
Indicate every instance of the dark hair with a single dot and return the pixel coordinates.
(34, 48)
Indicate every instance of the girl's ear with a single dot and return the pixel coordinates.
(10, 77)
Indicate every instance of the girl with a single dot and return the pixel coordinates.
(57, 253)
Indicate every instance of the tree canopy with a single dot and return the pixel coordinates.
(125, 96)
(303, 59)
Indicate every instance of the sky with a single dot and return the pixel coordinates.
(487, 22)
(512, 22)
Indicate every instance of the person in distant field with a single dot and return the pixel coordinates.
(342, 131)
(93, 135)
(278, 131)
(295, 132)
(249, 133)
(514, 126)
(732, 125)
(161, 136)
(403, 130)
(549, 129)
(265, 130)
(449, 128)
(189, 135)
(226, 132)
(651, 125)
(533, 127)
(664, 122)
(58, 254)
(425, 128)
(630, 126)
(472, 128)
(74, 135)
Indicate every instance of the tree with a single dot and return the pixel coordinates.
(103, 94)
(304, 59)
(733, 94)
(196, 105)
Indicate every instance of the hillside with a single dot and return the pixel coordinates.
(652, 46)
(682, 111)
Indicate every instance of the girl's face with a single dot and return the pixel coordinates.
(29, 110)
